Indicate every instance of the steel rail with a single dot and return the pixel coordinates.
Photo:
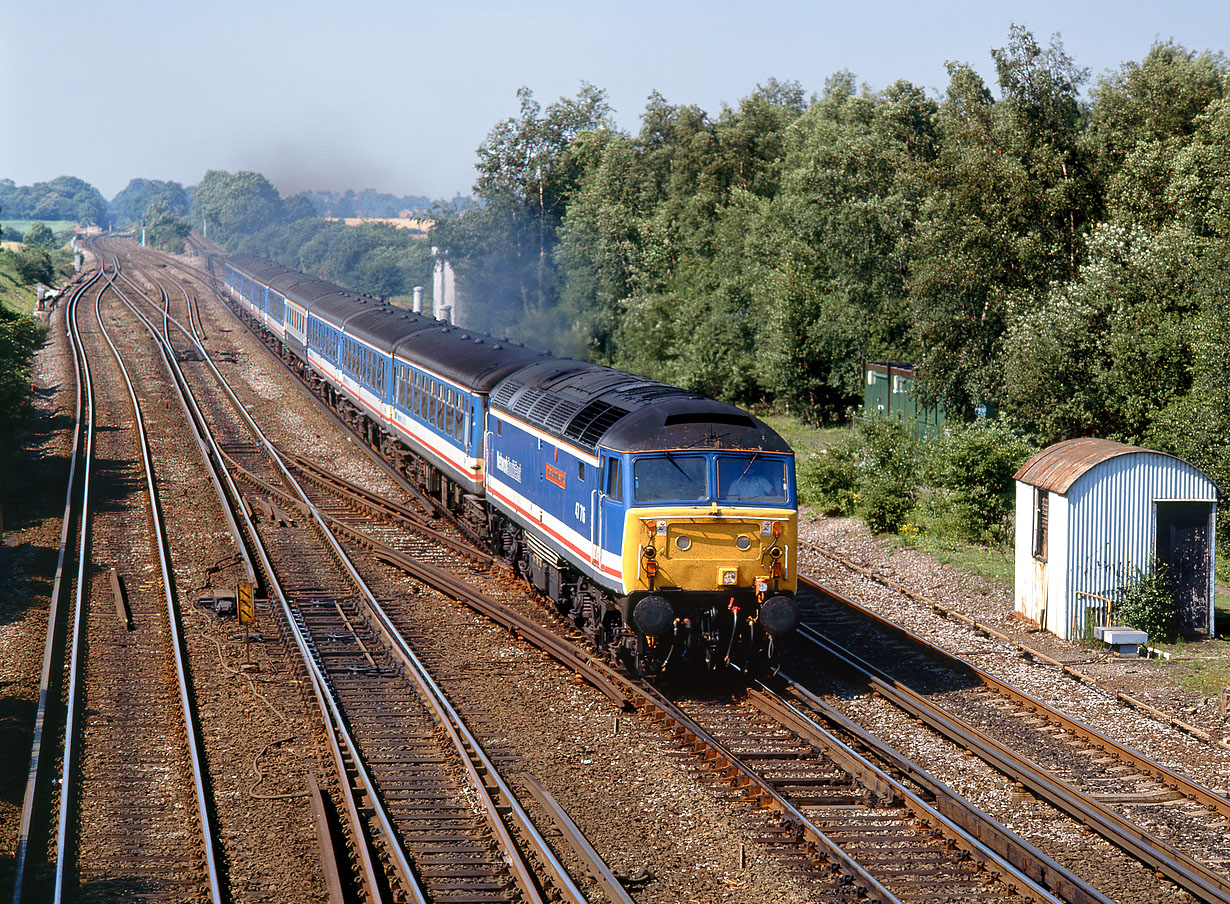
(600, 676)
(208, 447)
(1184, 871)
(1163, 774)
(334, 723)
(1028, 652)
(177, 641)
(463, 740)
(53, 643)
(597, 867)
(76, 640)
(335, 726)
(769, 797)
(979, 833)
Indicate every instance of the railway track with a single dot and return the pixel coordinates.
(132, 814)
(724, 729)
(823, 794)
(1105, 786)
(385, 549)
(420, 768)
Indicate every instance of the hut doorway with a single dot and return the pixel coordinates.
(1183, 530)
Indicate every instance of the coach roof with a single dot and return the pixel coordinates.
(474, 360)
(385, 326)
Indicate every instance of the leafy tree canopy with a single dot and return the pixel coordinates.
(39, 236)
(63, 198)
(131, 204)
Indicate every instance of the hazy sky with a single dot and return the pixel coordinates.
(397, 96)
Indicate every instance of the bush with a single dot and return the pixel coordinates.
(1146, 602)
(973, 465)
(887, 503)
(887, 485)
(33, 265)
(830, 480)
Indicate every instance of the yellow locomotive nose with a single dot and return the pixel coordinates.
(696, 549)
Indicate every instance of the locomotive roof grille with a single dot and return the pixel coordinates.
(505, 393)
(559, 416)
(593, 421)
(522, 406)
(652, 391)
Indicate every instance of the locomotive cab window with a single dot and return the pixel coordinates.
(753, 479)
(671, 477)
(614, 480)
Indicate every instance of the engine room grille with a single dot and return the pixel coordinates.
(593, 421)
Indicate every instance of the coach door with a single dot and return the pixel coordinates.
(1183, 532)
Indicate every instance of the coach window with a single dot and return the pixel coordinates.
(614, 480)
(439, 406)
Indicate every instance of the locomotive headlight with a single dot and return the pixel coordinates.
(775, 552)
(649, 552)
(730, 576)
(743, 542)
(684, 543)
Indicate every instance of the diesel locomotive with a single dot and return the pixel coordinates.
(661, 522)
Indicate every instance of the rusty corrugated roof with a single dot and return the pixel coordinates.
(1057, 467)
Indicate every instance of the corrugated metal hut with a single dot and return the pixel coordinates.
(1091, 513)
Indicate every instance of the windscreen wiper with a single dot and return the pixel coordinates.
(747, 467)
(671, 459)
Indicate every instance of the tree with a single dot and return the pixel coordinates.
(237, 205)
(164, 229)
(134, 200)
(34, 265)
(298, 207)
(1006, 218)
(20, 337)
(39, 236)
(1107, 352)
(503, 252)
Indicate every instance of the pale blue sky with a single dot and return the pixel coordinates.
(397, 96)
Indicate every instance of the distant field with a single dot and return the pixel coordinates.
(23, 226)
(414, 224)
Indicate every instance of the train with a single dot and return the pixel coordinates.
(662, 523)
